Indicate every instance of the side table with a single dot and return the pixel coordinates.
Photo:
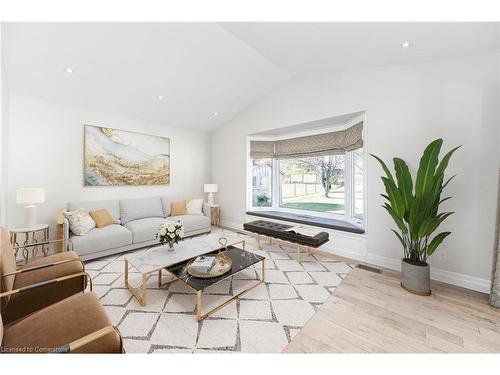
(32, 235)
(215, 214)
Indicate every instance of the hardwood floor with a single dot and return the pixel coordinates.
(370, 312)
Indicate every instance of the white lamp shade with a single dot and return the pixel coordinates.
(29, 196)
(210, 188)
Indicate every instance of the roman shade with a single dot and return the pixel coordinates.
(330, 143)
(262, 149)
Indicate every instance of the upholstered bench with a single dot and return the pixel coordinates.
(278, 231)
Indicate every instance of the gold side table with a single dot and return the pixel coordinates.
(32, 235)
(215, 214)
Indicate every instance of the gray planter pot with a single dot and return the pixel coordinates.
(416, 278)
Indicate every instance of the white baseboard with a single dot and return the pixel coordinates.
(360, 254)
(438, 274)
(459, 279)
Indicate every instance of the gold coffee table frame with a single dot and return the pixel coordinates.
(201, 316)
(141, 296)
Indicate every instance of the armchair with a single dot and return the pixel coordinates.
(77, 324)
(35, 282)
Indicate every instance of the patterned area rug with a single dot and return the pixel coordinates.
(262, 321)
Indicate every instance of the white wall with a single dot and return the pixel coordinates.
(46, 150)
(4, 133)
(406, 108)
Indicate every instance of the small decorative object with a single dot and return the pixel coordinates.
(119, 157)
(221, 266)
(414, 209)
(29, 197)
(170, 232)
(211, 189)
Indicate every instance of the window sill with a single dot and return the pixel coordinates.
(336, 224)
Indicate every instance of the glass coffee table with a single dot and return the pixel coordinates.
(241, 260)
(159, 258)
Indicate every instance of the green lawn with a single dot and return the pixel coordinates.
(314, 206)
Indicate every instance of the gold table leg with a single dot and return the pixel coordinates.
(201, 316)
(141, 298)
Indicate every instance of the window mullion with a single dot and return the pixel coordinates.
(348, 184)
(276, 186)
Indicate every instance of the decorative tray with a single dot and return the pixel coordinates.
(222, 266)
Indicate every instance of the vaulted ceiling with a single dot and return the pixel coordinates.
(206, 73)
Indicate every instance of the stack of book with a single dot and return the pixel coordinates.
(203, 263)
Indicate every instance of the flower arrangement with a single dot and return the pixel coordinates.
(170, 232)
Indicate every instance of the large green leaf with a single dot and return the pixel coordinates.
(427, 167)
(405, 183)
(384, 167)
(448, 181)
(395, 198)
(417, 215)
(399, 222)
(400, 238)
(444, 162)
(428, 226)
(436, 241)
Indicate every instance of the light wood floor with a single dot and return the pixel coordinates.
(370, 312)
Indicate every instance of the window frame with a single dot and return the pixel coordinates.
(349, 177)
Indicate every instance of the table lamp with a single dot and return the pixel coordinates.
(29, 197)
(211, 189)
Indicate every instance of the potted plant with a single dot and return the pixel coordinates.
(170, 232)
(415, 210)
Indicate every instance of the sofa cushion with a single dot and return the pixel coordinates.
(102, 218)
(61, 323)
(194, 207)
(133, 209)
(178, 208)
(193, 223)
(98, 239)
(144, 229)
(113, 207)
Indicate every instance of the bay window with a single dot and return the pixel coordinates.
(328, 183)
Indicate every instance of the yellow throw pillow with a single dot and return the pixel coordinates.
(101, 217)
(178, 208)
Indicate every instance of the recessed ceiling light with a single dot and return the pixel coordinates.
(160, 97)
(69, 70)
(406, 44)
(216, 114)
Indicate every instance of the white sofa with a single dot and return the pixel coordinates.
(135, 224)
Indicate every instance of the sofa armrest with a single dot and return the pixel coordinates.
(207, 211)
(66, 231)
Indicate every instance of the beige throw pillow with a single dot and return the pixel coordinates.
(194, 207)
(101, 217)
(80, 221)
(178, 208)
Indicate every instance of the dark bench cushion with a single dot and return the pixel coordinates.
(277, 230)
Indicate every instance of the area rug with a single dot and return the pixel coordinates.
(264, 320)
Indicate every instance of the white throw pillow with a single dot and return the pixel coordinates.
(194, 207)
(80, 221)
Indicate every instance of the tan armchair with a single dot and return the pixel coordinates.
(77, 324)
(39, 283)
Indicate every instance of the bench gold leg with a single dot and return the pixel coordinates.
(258, 242)
(298, 253)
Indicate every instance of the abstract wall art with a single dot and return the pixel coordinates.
(118, 157)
